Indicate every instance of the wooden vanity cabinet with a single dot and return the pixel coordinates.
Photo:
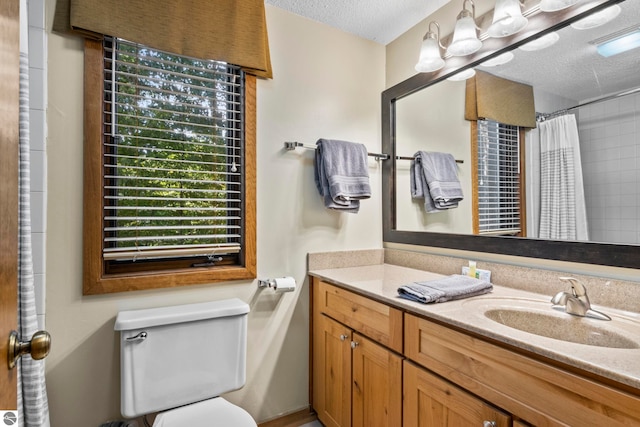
(377, 385)
(531, 390)
(332, 371)
(366, 355)
(432, 401)
(356, 380)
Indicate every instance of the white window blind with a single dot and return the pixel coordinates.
(498, 178)
(173, 155)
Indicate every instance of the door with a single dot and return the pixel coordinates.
(332, 372)
(377, 385)
(9, 110)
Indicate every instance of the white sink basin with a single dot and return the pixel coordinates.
(565, 328)
(538, 318)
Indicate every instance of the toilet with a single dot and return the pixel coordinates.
(178, 360)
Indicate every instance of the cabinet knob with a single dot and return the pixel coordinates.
(354, 344)
(343, 337)
(489, 424)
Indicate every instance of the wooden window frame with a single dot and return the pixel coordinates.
(475, 204)
(95, 280)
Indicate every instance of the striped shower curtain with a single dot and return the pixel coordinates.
(562, 205)
(33, 408)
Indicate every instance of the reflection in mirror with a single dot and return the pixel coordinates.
(576, 74)
(425, 122)
(566, 74)
(608, 140)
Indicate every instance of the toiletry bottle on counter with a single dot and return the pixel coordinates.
(472, 269)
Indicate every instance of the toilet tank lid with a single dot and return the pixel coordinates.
(145, 318)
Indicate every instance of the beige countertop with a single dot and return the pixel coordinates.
(619, 364)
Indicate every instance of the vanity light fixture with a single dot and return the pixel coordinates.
(463, 75)
(618, 42)
(465, 35)
(498, 60)
(430, 57)
(555, 5)
(541, 42)
(597, 19)
(507, 19)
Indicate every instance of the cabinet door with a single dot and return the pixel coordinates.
(432, 401)
(332, 372)
(377, 385)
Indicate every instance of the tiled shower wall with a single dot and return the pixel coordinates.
(610, 150)
(38, 134)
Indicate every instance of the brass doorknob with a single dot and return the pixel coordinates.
(38, 347)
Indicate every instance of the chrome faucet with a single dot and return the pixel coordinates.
(576, 302)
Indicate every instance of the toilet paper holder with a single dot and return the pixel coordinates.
(266, 283)
(281, 284)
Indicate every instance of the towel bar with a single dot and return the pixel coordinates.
(293, 145)
(413, 158)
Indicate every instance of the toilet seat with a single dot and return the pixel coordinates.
(208, 413)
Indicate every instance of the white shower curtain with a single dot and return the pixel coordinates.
(562, 205)
(33, 407)
(532, 181)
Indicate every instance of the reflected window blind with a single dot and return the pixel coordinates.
(173, 150)
(498, 178)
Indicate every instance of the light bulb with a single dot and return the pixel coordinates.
(430, 58)
(597, 19)
(507, 19)
(541, 42)
(498, 60)
(465, 38)
(462, 75)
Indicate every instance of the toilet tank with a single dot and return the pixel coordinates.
(173, 356)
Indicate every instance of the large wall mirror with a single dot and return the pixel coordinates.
(570, 77)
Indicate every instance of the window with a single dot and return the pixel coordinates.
(169, 169)
(499, 187)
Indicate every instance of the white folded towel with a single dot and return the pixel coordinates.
(446, 289)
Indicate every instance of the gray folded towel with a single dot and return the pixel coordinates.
(434, 177)
(341, 174)
(446, 289)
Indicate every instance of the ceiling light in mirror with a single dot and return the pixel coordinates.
(619, 42)
(597, 19)
(465, 35)
(555, 5)
(430, 58)
(507, 19)
(498, 60)
(463, 75)
(541, 42)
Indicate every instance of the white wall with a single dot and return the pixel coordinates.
(327, 84)
(610, 152)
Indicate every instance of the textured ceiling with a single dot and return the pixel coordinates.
(379, 20)
(572, 68)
